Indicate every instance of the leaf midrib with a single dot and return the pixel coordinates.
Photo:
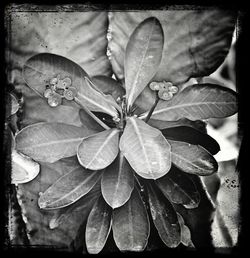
(112, 134)
(45, 144)
(140, 67)
(141, 143)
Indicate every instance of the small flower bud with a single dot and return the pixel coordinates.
(165, 95)
(54, 99)
(70, 93)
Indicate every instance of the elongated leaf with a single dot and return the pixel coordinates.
(185, 232)
(143, 56)
(192, 159)
(109, 86)
(95, 100)
(100, 150)
(83, 206)
(164, 217)
(131, 224)
(69, 188)
(200, 101)
(195, 43)
(98, 226)
(49, 142)
(179, 188)
(197, 124)
(23, 169)
(193, 136)
(146, 149)
(117, 182)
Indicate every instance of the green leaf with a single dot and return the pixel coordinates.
(98, 226)
(37, 110)
(193, 136)
(109, 86)
(23, 169)
(142, 58)
(117, 182)
(41, 68)
(131, 224)
(146, 149)
(199, 101)
(38, 220)
(195, 44)
(99, 150)
(89, 96)
(164, 217)
(192, 159)
(83, 206)
(197, 124)
(185, 232)
(69, 188)
(179, 188)
(49, 142)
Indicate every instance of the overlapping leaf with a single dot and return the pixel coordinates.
(164, 217)
(89, 96)
(198, 124)
(146, 149)
(98, 226)
(179, 188)
(41, 68)
(196, 102)
(131, 224)
(195, 44)
(185, 232)
(23, 169)
(142, 58)
(100, 150)
(192, 159)
(69, 188)
(83, 206)
(49, 142)
(117, 182)
(193, 136)
(109, 86)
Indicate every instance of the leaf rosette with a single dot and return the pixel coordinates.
(144, 160)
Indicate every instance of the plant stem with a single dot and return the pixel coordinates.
(92, 115)
(152, 108)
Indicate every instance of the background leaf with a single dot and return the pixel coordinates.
(193, 136)
(164, 217)
(99, 150)
(196, 102)
(37, 220)
(145, 148)
(195, 45)
(131, 225)
(49, 142)
(179, 188)
(98, 226)
(117, 182)
(185, 232)
(69, 188)
(142, 57)
(192, 159)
